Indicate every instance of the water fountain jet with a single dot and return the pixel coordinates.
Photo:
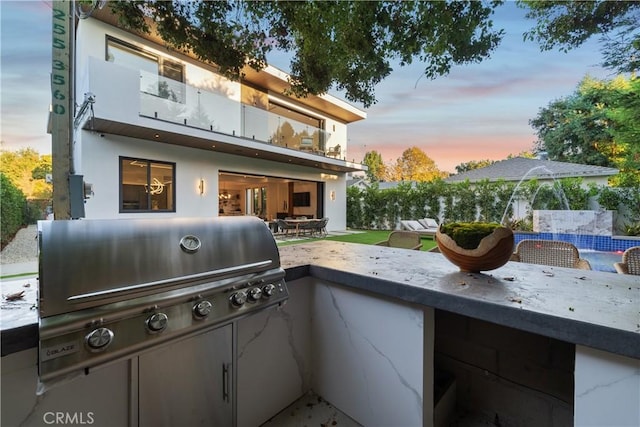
(558, 191)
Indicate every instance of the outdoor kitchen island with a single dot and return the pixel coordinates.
(365, 325)
(528, 345)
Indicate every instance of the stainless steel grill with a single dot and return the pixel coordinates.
(112, 288)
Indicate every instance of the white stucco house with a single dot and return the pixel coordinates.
(163, 135)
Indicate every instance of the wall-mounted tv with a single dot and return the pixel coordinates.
(302, 199)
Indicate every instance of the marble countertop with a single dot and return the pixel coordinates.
(18, 306)
(591, 308)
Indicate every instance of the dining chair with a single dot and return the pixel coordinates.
(630, 263)
(286, 226)
(549, 252)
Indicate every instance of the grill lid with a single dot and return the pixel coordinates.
(87, 263)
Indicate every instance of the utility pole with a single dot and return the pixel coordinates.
(62, 105)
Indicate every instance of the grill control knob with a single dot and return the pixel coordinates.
(157, 322)
(269, 290)
(202, 309)
(255, 294)
(99, 339)
(238, 299)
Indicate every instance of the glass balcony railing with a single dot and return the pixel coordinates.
(175, 102)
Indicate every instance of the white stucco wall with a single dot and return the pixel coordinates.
(117, 94)
(100, 166)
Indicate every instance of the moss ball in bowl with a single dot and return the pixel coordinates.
(475, 246)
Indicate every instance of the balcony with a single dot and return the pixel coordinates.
(172, 101)
(146, 106)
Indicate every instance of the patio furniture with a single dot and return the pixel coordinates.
(429, 223)
(413, 225)
(306, 144)
(273, 226)
(630, 263)
(334, 151)
(549, 252)
(402, 239)
(321, 226)
(308, 227)
(285, 226)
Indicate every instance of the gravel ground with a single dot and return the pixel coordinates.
(23, 247)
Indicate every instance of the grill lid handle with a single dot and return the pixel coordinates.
(160, 283)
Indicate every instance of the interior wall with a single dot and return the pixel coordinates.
(301, 187)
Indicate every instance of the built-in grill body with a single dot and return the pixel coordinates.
(111, 288)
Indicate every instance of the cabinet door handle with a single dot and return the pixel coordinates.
(225, 382)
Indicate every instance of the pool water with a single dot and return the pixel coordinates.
(601, 261)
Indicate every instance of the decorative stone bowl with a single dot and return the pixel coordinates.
(493, 251)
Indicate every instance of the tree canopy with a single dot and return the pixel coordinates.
(625, 130)
(568, 24)
(27, 170)
(376, 169)
(346, 45)
(596, 125)
(473, 164)
(414, 165)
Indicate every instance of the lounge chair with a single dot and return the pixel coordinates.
(630, 262)
(416, 226)
(429, 223)
(402, 239)
(549, 252)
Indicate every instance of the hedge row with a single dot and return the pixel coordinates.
(372, 208)
(12, 209)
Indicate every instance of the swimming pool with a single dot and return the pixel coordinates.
(584, 241)
(601, 261)
(602, 252)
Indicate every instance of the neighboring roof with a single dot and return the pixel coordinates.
(361, 182)
(517, 168)
(394, 184)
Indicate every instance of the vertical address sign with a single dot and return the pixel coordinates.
(61, 105)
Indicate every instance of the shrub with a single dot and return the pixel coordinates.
(11, 209)
(633, 229)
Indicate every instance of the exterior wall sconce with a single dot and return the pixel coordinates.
(332, 195)
(201, 186)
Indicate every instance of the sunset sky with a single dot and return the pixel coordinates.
(478, 111)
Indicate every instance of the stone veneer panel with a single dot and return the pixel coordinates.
(363, 354)
(273, 357)
(605, 384)
(369, 357)
(599, 223)
(97, 399)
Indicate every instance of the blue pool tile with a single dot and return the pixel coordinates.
(584, 241)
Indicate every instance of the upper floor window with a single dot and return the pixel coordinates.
(147, 185)
(158, 75)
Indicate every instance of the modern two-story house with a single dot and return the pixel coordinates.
(162, 134)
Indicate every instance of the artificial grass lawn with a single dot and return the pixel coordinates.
(365, 237)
